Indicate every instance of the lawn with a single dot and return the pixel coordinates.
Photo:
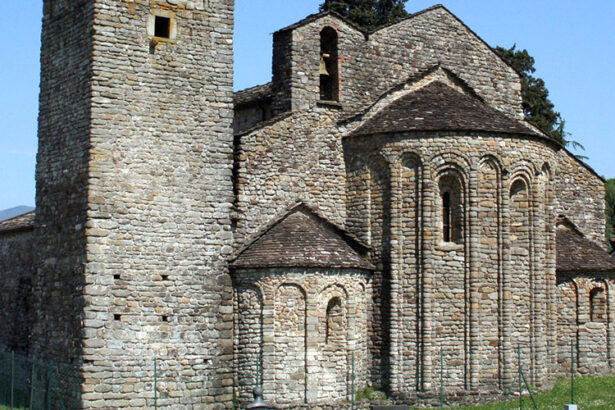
(596, 393)
(590, 393)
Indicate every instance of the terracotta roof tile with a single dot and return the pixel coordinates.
(18, 223)
(301, 238)
(577, 253)
(438, 107)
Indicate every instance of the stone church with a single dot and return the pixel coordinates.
(380, 201)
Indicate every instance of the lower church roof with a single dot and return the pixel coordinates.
(301, 238)
(576, 253)
(21, 222)
(438, 107)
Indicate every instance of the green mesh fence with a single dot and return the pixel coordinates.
(31, 383)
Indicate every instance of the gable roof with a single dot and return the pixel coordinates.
(576, 253)
(438, 107)
(302, 238)
(21, 222)
(367, 33)
(252, 95)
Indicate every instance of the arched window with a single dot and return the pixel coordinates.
(451, 212)
(329, 74)
(597, 305)
(334, 319)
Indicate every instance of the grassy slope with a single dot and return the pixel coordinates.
(590, 393)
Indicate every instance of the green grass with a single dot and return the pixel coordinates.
(590, 393)
(596, 393)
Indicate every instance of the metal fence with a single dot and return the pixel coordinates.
(30, 383)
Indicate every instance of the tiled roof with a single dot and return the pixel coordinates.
(18, 223)
(253, 94)
(301, 238)
(577, 253)
(438, 107)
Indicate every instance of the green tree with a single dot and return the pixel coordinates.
(368, 14)
(537, 106)
(610, 207)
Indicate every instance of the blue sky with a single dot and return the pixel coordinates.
(573, 43)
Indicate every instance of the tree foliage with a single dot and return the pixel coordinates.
(368, 14)
(537, 106)
(610, 207)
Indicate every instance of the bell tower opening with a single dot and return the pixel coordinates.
(329, 74)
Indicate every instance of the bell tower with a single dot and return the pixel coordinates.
(134, 193)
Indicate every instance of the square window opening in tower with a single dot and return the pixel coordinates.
(162, 27)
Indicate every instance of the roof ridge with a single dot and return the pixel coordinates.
(312, 212)
(577, 253)
(440, 93)
(367, 33)
(408, 17)
(253, 87)
(17, 216)
(17, 223)
(411, 79)
(566, 222)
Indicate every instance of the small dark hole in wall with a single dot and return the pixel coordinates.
(117, 277)
(165, 318)
(117, 317)
(162, 27)
(165, 277)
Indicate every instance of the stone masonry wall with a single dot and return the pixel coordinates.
(476, 299)
(297, 157)
(296, 332)
(159, 199)
(16, 275)
(61, 186)
(587, 321)
(371, 65)
(133, 201)
(282, 162)
(580, 197)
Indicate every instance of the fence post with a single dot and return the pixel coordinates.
(441, 378)
(12, 377)
(49, 384)
(520, 378)
(572, 372)
(352, 383)
(32, 381)
(155, 383)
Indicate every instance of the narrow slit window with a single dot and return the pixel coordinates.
(446, 216)
(451, 208)
(162, 27)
